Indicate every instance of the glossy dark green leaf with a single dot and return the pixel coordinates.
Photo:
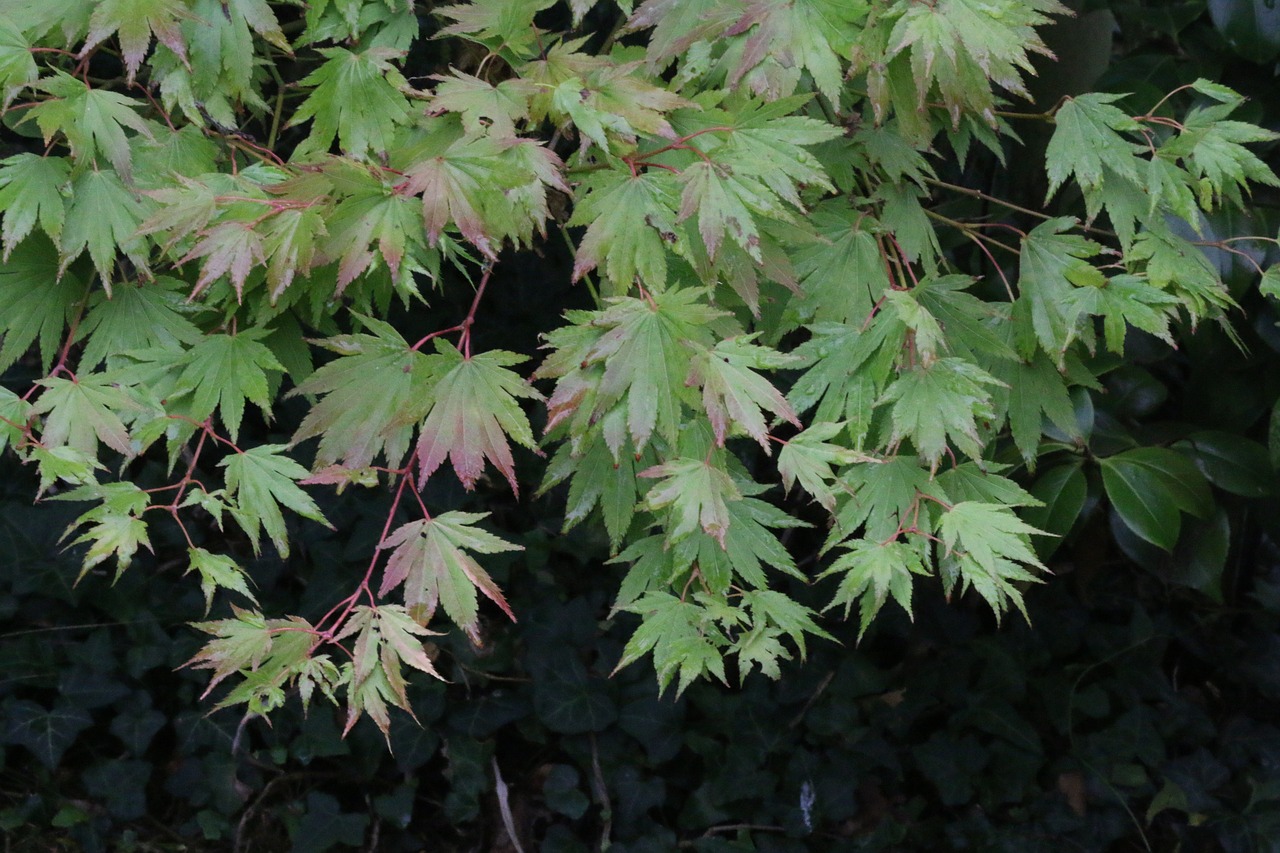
(1232, 462)
(1150, 486)
(1062, 490)
(47, 733)
(1252, 27)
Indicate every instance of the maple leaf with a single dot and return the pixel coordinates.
(92, 120)
(430, 558)
(261, 481)
(79, 413)
(683, 637)
(697, 493)
(135, 317)
(371, 397)
(31, 190)
(474, 409)
(630, 222)
(387, 638)
(217, 571)
(102, 217)
(733, 391)
(841, 274)
(373, 215)
(871, 572)
(18, 67)
(808, 34)
(35, 302)
(240, 643)
(1050, 264)
(222, 371)
(598, 477)
(1124, 301)
(749, 544)
(1174, 265)
(679, 24)
(115, 526)
(991, 546)
(15, 412)
(884, 496)
(356, 98)
(134, 22)
(1032, 391)
(481, 104)
(808, 456)
(849, 366)
(505, 25)
(940, 401)
(1087, 137)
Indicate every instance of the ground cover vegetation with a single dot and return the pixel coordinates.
(761, 425)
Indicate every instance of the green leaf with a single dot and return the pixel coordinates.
(135, 317)
(387, 637)
(733, 392)
(261, 481)
(940, 401)
(1062, 492)
(31, 190)
(697, 493)
(355, 97)
(871, 572)
(35, 301)
(115, 526)
(18, 67)
(1088, 135)
(1231, 462)
(683, 637)
(630, 222)
(81, 412)
(372, 394)
(217, 571)
(102, 217)
(482, 104)
(134, 22)
(1051, 262)
(808, 456)
(1150, 486)
(1036, 390)
(92, 120)
(224, 371)
(473, 412)
(431, 560)
(991, 546)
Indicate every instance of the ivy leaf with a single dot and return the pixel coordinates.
(217, 571)
(261, 481)
(92, 120)
(473, 412)
(431, 560)
(223, 371)
(81, 412)
(31, 189)
(940, 401)
(991, 545)
(35, 302)
(733, 391)
(367, 393)
(697, 493)
(808, 456)
(871, 573)
(134, 21)
(357, 98)
(683, 637)
(630, 222)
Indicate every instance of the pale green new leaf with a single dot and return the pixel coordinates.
(483, 105)
(808, 457)
(992, 547)
(261, 481)
(430, 558)
(83, 411)
(115, 526)
(683, 637)
(474, 410)
(103, 217)
(1088, 135)
(1051, 264)
(18, 67)
(386, 637)
(871, 572)
(217, 571)
(631, 222)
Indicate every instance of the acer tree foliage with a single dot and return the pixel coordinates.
(808, 302)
